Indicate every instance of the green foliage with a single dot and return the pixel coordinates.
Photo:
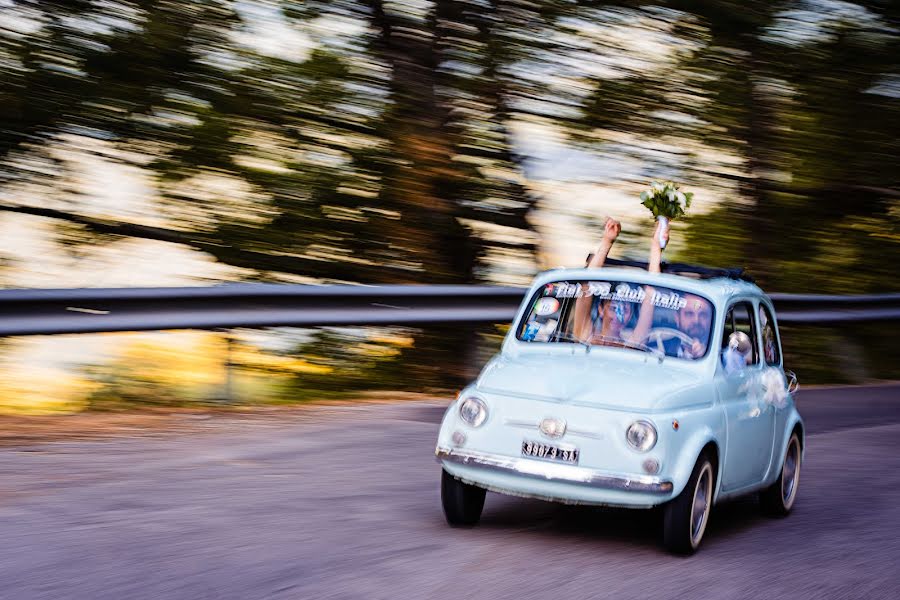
(666, 200)
(373, 155)
(362, 161)
(373, 142)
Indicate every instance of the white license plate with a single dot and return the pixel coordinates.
(550, 452)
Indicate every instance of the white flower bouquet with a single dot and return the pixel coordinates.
(666, 202)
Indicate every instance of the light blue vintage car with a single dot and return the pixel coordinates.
(619, 387)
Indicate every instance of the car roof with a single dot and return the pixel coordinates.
(718, 289)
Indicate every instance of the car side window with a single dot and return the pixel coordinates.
(770, 341)
(739, 345)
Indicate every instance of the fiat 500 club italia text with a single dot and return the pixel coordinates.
(682, 402)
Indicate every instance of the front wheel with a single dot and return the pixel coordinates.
(686, 516)
(462, 502)
(777, 500)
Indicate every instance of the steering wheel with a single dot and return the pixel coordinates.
(661, 334)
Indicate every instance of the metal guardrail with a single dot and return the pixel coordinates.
(822, 309)
(94, 310)
(36, 312)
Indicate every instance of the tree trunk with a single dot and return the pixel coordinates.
(762, 226)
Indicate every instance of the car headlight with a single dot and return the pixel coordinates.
(641, 435)
(473, 411)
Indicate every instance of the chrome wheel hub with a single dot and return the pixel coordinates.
(701, 504)
(790, 473)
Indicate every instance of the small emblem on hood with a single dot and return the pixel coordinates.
(553, 428)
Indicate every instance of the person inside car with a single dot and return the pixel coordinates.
(615, 315)
(694, 320)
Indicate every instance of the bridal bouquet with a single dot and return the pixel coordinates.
(666, 202)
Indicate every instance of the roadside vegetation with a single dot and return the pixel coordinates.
(438, 142)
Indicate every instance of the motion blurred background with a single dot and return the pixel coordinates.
(159, 143)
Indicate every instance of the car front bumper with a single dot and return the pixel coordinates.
(553, 481)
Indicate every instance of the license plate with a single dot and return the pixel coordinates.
(549, 452)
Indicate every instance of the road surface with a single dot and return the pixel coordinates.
(344, 503)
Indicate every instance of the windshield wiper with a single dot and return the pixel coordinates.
(568, 337)
(629, 344)
(611, 341)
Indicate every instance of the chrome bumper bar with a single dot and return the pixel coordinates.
(555, 472)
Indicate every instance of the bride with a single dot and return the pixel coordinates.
(614, 315)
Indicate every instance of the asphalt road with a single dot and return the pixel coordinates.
(344, 503)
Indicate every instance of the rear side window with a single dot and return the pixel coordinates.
(740, 319)
(770, 341)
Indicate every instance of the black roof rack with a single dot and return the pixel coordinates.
(700, 271)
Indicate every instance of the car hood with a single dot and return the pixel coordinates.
(607, 382)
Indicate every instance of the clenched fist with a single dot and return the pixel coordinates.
(611, 231)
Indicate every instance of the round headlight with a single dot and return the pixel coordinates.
(641, 435)
(473, 411)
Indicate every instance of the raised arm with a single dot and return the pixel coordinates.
(655, 250)
(583, 305)
(645, 320)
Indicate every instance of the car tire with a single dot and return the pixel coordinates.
(685, 517)
(462, 502)
(778, 499)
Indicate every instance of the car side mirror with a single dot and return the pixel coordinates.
(792, 384)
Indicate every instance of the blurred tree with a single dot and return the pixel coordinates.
(379, 155)
(107, 71)
(843, 148)
(820, 148)
(801, 98)
(382, 151)
(358, 170)
(371, 140)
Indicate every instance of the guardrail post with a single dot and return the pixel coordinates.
(228, 385)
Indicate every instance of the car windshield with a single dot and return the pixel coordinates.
(619, 313)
